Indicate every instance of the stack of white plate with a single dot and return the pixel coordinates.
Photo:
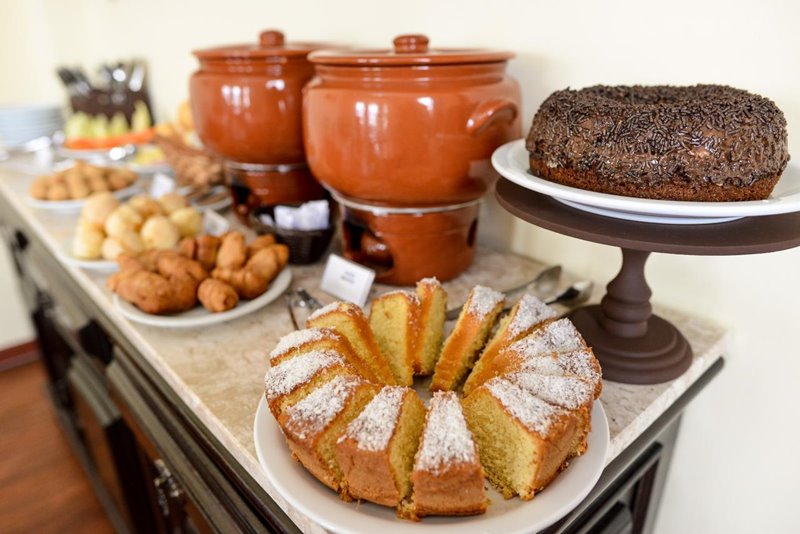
(22, 123)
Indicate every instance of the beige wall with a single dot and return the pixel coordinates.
(735, 468)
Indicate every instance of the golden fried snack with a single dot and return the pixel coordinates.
(184, 291)
(187, 247)
(232, 252)
(246, 283)
(264, 264)
(129, 262)
(258, 243)
(207, 248)
(217, 296)
(97, 184)
(77, 187)
(175, 265)
(57, 191)
(98, 207)
(150, 292)
(39, 188)
(149, 259)
(281, 252)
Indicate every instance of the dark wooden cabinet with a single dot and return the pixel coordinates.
(156, 468)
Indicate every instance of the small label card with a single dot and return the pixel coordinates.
(161, 185)
(347, 280)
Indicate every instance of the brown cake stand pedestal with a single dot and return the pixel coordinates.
(635, 346)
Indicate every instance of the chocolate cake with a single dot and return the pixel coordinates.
(701, 143)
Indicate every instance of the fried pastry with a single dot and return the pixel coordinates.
(232, 252)
(217, 296)
(207, 248)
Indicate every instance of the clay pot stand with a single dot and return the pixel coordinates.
(635, 346)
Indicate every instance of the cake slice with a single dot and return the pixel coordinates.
(432, 314)
(348, 320)
(312, 426)
(292, 379)
(524, 441)
(581, 363)
(447, 476)
(376, 451)
(527, 314)
(554, 336)
(568, 391)
(461, 347)
(308, 339)
(394, 319)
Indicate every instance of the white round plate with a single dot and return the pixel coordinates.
(213, 223)
(199, 316)
(512, 161)
(305, 493)
(72, 206)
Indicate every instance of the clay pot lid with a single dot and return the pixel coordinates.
(409, 50)
(271, 44)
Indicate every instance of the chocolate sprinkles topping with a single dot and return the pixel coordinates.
(636, 136)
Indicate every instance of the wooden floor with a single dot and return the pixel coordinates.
(42, 487)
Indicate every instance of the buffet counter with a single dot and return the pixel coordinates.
(189, 396)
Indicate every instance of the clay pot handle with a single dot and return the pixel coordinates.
(271, 38)
(491, 111)
(410, 44)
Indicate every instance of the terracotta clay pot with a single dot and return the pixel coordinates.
(411, 126)
(247, 99)
(254, 186)
(406, 245)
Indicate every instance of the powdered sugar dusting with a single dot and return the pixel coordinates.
(568, 392)
(287, 376)
(558, 336)
(295, 339)
(375, 425)
(315, 412)
(530, 312)
(446, 438)
(581, 363)
(534, 413)
(483, 300)
(333, 306)
(430, 281)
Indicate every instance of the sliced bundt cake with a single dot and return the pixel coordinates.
(348, 320)
(432, 314)
(376, 451)
(394, 319)
(461, 347)
(447, 477)
(525, 316)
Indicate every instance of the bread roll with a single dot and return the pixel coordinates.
(88, 244)
(145, 206)
(98, 207)
(123, 219)
(188, 220)
(172, 202)
(160, 233)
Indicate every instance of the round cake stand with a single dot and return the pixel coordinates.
(635, 346)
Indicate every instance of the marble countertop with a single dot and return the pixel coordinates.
(218, 371)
